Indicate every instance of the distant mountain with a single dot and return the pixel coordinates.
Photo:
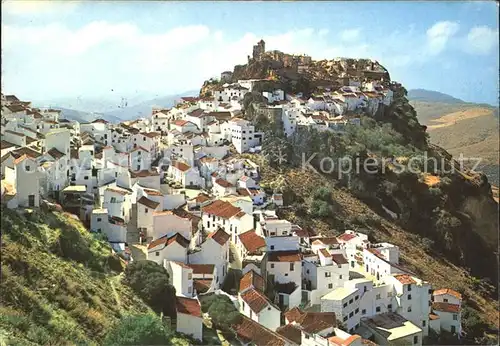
(143, 109)
(459, 127)
(431, 96)
(85, 117)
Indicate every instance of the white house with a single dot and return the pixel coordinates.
(447, 306)
(184, 174)
(173, 248)
(181, 277)
(189, 319)
(168, 223)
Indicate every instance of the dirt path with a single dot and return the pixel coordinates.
(113, 289)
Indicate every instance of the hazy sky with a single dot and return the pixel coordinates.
(97, 49)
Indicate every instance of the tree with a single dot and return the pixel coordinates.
(139, 330)
(150, 281)
(222, 311)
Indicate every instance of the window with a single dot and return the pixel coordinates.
(350, 301)
(330, 285)
(409, 309)
(272, 265)
(272, 247)
(157, 253)
(363, 312)
(445, 300)
(389, 294)
(378, 296)
(356, 298)
(146, 210)
(345, 318)
(328, 274)
(306, 336)
(113, 200)
(455, 317)
(345, 305)
(356, 311)
(409, 296)
(86, 177)
(340, 277)
(409, 288)
(364, 288)
(389, 306)
(423, 323)
(351, 314)
(27, 168)
(99, 219)
(430, 291)
(292, 267)
(377, 309)
(307, 271)
(415, 339)
(269, 308)
(190, 276)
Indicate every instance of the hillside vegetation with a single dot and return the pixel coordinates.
(59, 285)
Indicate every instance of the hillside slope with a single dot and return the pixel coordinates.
(464, 128)
(57, 282)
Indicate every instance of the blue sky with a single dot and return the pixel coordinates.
(57, 50)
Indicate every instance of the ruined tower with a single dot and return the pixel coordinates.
(258, 50)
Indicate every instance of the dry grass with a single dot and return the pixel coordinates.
(455, 117)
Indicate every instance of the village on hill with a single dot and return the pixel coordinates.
(175, 186)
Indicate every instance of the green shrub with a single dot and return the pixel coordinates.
(223, 312)
(139, 330)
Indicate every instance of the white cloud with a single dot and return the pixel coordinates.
(350, 34)
(481, 40)
(438, 36)
(323, 32)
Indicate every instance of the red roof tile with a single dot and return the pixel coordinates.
(202, 285)
(346, 237)
(311, 322)
(247, 330)
(165, 241)
(220, 236)
(446, 307)
(291, 332)
(197, 113)
(284, 256)
(147, 202)
(256, 300)
(221, 209)
(188, 306)
(339, 259)
(202, 268)
(252, 241)
(252, 279)
(324, 252)
(181, 166)
(447, 291)
(223, 183)
(405, 279)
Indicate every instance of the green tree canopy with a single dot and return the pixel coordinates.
(139, 330)
(150, 281)
(221, 309)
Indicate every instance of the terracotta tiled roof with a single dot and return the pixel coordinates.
(102, 121)
(144, 173)
(291, 332)
(183, 167)
(346, 237)
(221, 209)
(187, 215)
(405, 279)
(327, 240)
(284, 256)
(338, 341)
(5, 145)
(22, 151)
(339, 259)
(188, 306)
(247, 330)
(197, 113)
(256, 300)
(202, 285)
(151, 134)
(433, 317)
(16, 108)
(56, 154)
(325, 252)
(252, 241)
(15, 133)
(189, 99)
(202, 268)
(446, 307)
(252, 279)
(447, 291)
(118, 190)
(220, 115)
(243, 192)
(220, 236)
(147, 202)
(202, 198)
(153, 192)
(139, 148)
(368, 342)
(311, 322)
(180, 122)
(223, 183)
(165, 241)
